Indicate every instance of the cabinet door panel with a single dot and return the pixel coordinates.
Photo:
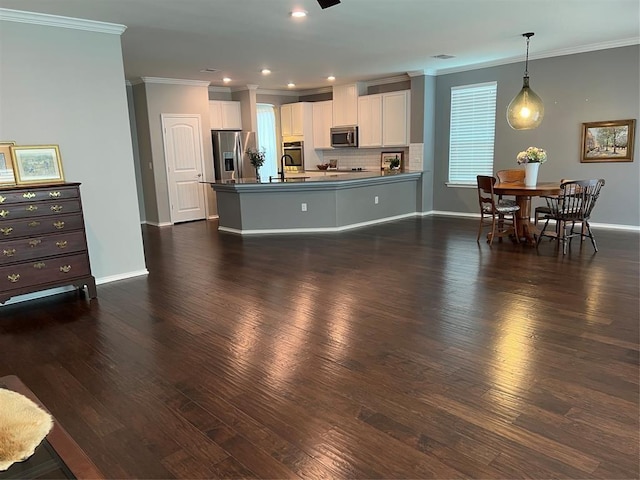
(395, 125)
(231, 116)
(370, 121)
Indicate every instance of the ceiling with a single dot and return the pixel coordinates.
(355, 40)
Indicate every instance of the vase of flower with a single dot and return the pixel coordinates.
(532, 157)
(257, 158)
(531, 174)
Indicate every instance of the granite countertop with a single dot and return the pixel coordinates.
(315, 176)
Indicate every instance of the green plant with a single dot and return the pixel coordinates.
(394, 163)
(256, 157)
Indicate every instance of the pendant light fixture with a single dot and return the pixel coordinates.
(526, 110)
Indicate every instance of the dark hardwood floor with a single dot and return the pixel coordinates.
(403, 350)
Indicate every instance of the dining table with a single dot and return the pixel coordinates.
(525, 229)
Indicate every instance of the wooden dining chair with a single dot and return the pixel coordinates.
(510, 176)
(500, 215)
(574, 205)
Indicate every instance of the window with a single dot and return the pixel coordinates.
(472, 132)
(267, 139)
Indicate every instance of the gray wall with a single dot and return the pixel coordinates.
(586, 87)
(66, 87)
(150, 101)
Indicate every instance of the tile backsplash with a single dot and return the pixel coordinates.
(367, 158)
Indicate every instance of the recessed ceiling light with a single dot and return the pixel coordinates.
(291, 84)
(226, 79)
(331, 78)
(266, 71)
(298, 13)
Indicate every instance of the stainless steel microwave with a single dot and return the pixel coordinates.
(344, 136)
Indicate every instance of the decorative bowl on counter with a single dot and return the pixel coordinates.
(323, 166)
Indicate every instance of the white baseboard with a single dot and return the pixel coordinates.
(271, 231)
(604, 226)
(157, 224)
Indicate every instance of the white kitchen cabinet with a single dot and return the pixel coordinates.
(225, 115)
(370, 121)
(292, 119)
(383, 120)
(322, 123)
(395, 119)
(345, 104)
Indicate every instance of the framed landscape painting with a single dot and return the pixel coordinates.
(6, 164)
(37, 164)
(610, 141)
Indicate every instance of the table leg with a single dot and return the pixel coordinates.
(526, 230)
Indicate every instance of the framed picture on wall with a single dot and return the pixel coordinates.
(6, 163)
(610, 141)
(391, 160)
(37, 164)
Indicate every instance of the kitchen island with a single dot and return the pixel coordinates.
(316, 202)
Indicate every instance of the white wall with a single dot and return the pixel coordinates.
(66, 86)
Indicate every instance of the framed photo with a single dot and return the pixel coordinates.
(6, 164)
(37, 164)
(391, 160)
(610, 141)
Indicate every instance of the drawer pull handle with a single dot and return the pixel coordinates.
(62, 244)
(4, 213)
(6, 231)
(56, 208)
(39, 265)
(54, 194)
(14, 278)
(35, 242)
(32, 208)
(34, 224)
(59, 225)
(2, 199)
(65, 268)
(28, 195)
(9, 252)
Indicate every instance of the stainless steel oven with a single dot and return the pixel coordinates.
(295, 161)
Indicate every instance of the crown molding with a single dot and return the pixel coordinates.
(19, 16)
(549, 54)
(175, 81)
(313, 91)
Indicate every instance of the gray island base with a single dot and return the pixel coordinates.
(318, 203)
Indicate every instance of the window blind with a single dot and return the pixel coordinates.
(472, 132)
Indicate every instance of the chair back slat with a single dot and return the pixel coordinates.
(511, 176)
(576, 200)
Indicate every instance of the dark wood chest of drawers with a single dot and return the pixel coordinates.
(42, 240)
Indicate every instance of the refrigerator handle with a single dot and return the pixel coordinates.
(239, 157)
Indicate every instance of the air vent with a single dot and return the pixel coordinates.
(210, 70)
(444, 56)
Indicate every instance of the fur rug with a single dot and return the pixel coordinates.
(23, 425)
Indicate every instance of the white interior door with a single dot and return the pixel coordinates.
(184, 159)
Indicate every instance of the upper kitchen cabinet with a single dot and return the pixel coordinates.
(296, 120)
(345, 103)
(395, 119)
(225, 115)
(383, 119)
(370, 121)
(322, 123)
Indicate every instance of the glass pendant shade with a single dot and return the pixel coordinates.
(526, 110)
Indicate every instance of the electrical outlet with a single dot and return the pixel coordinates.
(303, 206)
(375, 200)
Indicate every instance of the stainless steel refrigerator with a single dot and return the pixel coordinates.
(230, 161)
